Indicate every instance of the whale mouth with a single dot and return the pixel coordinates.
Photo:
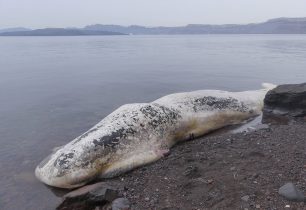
(63, 173)
(69, 181)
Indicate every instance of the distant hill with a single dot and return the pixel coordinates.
(60, 32)
(14, 29)
(273, 26)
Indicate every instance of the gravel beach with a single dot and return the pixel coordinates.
(227, 171)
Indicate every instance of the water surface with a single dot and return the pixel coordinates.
(53, 89)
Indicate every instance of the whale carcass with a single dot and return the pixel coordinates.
(140, 133)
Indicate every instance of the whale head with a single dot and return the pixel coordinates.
(89, 156)
(71, 168)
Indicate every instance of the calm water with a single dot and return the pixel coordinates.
(52, 89)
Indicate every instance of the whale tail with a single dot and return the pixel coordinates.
(268, 86)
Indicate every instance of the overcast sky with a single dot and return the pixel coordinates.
(63, 13)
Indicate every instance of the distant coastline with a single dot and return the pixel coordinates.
(273, 26)
(60, 32)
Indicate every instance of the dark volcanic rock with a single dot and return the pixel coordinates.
(284, 103)
(89, 197)
(291, 192)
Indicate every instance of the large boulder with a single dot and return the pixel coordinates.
(285, 103)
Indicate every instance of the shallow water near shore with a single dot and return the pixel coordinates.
(53, 89)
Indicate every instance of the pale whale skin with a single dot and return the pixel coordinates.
(137, 134)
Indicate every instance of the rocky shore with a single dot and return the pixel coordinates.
(262, 168)
(229, 171)
(239, 171)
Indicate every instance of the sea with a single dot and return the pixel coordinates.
(52, 89)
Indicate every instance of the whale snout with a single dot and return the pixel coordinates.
(64, 171)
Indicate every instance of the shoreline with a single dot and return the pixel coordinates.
(227, 171)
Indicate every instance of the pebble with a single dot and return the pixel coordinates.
(209, 181)
(255, 175)
(245, 198)
(121, 204)
(190, 170)
(291, 192)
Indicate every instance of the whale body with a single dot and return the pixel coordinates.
(141, 133)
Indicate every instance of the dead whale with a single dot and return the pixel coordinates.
(140, 133)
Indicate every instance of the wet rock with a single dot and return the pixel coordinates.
(291, 192)
(89, 197)
(284, 103)
(121, 204)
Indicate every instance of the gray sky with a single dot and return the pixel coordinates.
(63, 13)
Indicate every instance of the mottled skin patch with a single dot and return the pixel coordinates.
(63, 159)
(137, 134)
(158, 116)
(214, 103)
(113, 139)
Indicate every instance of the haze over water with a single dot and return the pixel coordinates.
(52, 89)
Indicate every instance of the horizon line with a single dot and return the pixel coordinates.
(147, 26)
